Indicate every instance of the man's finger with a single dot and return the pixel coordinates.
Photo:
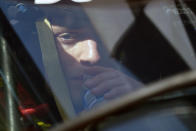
(102, 88)
(96, 70)
(100, 78)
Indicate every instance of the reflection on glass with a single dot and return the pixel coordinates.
(175, 114)
(89, 60)
(92, 76)
(80, 51)
(19, 108)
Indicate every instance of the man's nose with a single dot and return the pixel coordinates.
(89, 54)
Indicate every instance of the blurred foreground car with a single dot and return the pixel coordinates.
(151, 43)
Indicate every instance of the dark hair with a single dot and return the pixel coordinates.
(70, 16)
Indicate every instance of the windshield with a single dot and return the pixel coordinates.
(86, 55)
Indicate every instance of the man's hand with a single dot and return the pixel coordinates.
(109, 82)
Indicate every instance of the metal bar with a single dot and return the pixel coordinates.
(12, 115)
(174, 83)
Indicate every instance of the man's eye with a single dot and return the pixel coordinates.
(66, 36)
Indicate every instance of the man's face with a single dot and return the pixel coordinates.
(78, 51)
(77, 48)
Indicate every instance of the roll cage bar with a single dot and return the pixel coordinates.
(177, 82)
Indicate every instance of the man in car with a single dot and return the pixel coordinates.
(84, 60)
